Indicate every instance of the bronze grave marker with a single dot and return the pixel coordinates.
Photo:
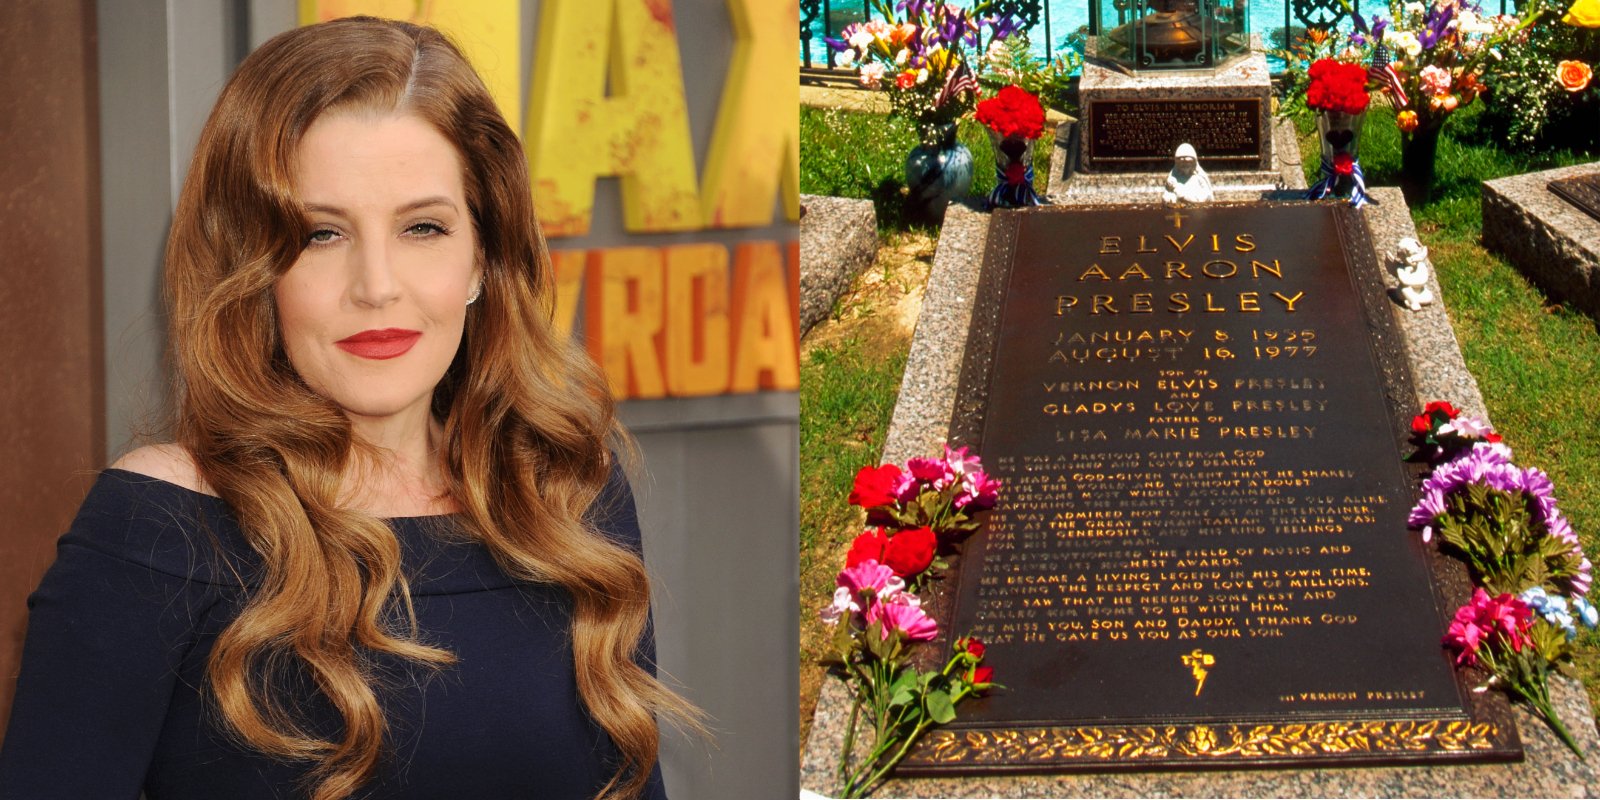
(1140, 134)
(1201, 556)
(1582, 191)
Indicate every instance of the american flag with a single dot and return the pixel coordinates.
(1383, 74)
(961, 80)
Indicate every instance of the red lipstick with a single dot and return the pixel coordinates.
(380, 345)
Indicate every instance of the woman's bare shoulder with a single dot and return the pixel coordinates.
(168, 462)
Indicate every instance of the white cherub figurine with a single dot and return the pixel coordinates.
(1188, 181)
(1413, 274)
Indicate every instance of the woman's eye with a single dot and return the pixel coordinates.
(426, 229)
(321, 236)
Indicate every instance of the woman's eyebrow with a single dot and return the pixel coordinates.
(426, 202)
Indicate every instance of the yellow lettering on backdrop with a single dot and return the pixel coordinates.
(764, 356)
(622, 319)
(577, 133)
(696, 342)
(487, 31)
(569, 266)
(755, 151)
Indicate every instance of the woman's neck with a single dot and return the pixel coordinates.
(399, 472)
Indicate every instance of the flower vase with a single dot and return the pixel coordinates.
(937, 173)
(1013, 173)
(1340, 173)
(1418, 150)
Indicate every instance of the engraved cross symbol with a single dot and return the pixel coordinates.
(1177, 219)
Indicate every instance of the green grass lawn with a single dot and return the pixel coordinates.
(1536, 361)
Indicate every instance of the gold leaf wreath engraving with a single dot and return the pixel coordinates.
(1190, 742)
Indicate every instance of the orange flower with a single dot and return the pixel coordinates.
(1574, 75)
(1450, 102)
(1407, 121)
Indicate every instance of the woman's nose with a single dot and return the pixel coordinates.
(373, 280)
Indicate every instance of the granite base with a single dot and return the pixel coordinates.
(838, 239)
(1550, 240)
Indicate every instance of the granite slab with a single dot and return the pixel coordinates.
(838, 239)
(921, 417)
(1550, 240)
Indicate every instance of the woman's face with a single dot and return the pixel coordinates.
(371, 313)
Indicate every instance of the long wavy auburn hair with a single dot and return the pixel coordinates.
(526, 416)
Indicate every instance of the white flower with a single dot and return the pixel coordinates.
(1404, 41)
(901, 56)
(844, 58)
(922, 76)
(842, 606)
(871, 74)
(1413, 9)
(861, 40)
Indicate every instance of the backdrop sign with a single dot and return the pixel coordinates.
(605, 100)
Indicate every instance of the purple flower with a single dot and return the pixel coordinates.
(1378, 24)
(1004, 26)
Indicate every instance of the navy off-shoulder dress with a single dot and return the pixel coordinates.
(112, 699)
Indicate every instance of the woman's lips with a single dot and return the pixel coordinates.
(379, 345)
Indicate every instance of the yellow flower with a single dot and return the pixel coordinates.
(1583, 14)
(1407, 120)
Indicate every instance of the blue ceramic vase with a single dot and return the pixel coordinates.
(938, 173)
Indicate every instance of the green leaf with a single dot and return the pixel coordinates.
(939, 706)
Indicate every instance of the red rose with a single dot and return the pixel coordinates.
(910, 552)
(1344, 163)
(905, 80)
(981, 677)
(1422, 423)
(874, 486)
(975, 648)
(867, 547)
(1444, 406)
(1491, 438)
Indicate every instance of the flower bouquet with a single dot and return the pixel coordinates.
(920, 60)
(1338, 93)
(1014, 118)
(1531, 573)
(919, 508)
(1433, 59)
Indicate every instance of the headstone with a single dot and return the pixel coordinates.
(1201, 557)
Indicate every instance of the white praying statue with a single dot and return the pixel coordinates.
(1413, 273)
(1188, 181)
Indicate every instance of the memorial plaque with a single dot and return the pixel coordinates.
(1142, 134)
(1201, 555)
(1582, 191)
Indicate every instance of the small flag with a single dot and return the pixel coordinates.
(961, 80)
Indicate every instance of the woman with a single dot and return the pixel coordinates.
(390, 553)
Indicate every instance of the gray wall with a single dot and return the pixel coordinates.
(718, 500)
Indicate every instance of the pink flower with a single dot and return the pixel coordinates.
(872, 575)
(978, 490)
(1435, 80)
(903, 614)
(935, 472)
(1485, 619)
(843, 605)
(872, 74)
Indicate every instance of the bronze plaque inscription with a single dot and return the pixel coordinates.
(1201, 553)
(1582, 191)
(1142, 134)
